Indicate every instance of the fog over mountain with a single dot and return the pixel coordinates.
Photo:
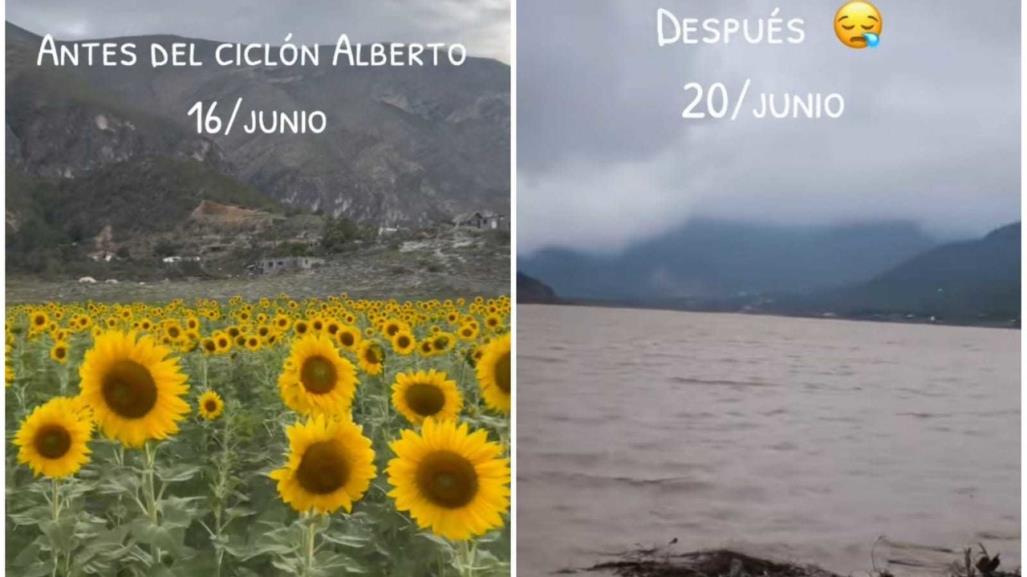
(712, 260)
(929, 134)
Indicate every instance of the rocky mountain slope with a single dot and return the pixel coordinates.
(404, 147)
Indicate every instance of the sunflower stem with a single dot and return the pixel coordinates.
(465, 559)
(310, 539)
(55, 502)
(151, 492)
(55, 513)
(220, 490)
(64, 380)
(388, 411)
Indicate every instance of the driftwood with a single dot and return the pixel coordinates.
(888, 559)
(713, 563)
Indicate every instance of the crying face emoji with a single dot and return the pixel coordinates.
(858, 25)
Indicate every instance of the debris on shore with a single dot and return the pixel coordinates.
(712, 563)
(660, 562)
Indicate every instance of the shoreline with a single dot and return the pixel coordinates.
(888, 319)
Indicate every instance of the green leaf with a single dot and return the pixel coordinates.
(177, 473)
(31, 516)
(60, 534)
(178, 511)
(27, 556)
(441, 541)
(37, 570)
(289, 566)
(330, 562)
(279, 549)
(239, 511)
(145, 532)
(356, 541)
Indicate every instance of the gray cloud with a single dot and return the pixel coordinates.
(930, 132)
(483, 25)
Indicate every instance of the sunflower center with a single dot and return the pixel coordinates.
(425, 399)
(211, 405)
(129, 389)
(318, 375)
(347, 339)
(372, 355)
(323, 468)
(53, 441)
(403, 341)
(503, 373)
(447, 479)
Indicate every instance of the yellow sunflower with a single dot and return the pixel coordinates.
(316, 379)
(330, 465)
(39, 321)
(493, 371)
(450, 480)
(134, 390)
(442, 342)
(348, 337)
(403, 343)
(59, 352)
(54, 439)
(210, 406)
(208, 346)
(371, 357)
(426, 394)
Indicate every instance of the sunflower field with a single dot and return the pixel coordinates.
(319, 437)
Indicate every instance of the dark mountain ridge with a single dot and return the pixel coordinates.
(969, 281)
(966, 282)
(715, 259)
(532, 290)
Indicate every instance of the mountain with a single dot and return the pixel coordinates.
(145, 196)
(532, 290)
(971, 281)
(715, 260)
(404, 147)
(64, 122)
(121, 204)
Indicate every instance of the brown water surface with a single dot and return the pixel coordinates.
(800, 439)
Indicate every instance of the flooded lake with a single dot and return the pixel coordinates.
(800, 439)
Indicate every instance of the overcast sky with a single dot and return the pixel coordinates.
(930, 131)
(482, 25)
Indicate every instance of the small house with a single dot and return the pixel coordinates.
(275, 265)
(481, 220)
(175, 259)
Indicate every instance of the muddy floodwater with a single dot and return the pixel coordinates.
(800, 439)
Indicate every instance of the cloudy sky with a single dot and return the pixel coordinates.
(482, 25)
(930, 131)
